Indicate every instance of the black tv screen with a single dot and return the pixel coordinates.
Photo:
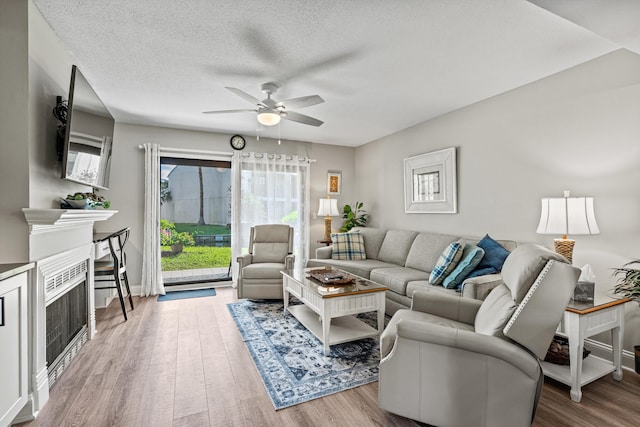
(88, 137)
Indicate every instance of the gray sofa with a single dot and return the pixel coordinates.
(403, 260)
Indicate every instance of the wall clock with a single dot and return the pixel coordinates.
(237, 142)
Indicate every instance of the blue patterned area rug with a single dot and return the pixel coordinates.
(291, 359)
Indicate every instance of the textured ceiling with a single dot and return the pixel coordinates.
(380, 65)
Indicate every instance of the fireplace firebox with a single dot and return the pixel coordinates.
(66, 328)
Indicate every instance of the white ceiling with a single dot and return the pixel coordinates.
(380, 65)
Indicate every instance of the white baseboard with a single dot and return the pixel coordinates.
(104, 302)
(605, 351)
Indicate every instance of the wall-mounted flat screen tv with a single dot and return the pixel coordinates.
(88, 142)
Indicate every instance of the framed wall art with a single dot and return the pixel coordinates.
(430, 182)
(334, 183)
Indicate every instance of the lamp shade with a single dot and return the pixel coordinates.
(568, 215)
(328, 207)
(268, 118)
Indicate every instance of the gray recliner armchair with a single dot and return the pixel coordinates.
(451, 361)
(270, 251)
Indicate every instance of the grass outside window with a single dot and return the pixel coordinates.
(195, 257)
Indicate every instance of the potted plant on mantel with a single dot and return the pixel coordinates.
(353, 217)
(87, 200)
(628, 285)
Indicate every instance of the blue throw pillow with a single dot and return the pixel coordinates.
(471, 257)
(493, 259)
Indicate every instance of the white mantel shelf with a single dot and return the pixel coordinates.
(42, 220)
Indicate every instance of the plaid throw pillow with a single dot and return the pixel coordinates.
(446, 263)
(348, 246)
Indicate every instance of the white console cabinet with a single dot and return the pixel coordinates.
(14, 358)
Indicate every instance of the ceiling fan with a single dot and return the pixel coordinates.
(270, 111)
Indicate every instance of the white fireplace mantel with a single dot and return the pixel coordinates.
(43, 220)
(59, 239)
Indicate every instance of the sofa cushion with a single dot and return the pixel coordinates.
(271, 233)
(265, 270)
(471, 256)
(446, 263)
(426, 249)
(423, 285)
(360, 268)
(493, 259)
(396, 278)
(373, 238)
(270, 252)
(395, 246)
(348, 246)
(495, 312)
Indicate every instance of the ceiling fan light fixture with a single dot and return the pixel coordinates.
(268, 118)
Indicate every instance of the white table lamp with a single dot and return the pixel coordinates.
(328, 208)
(567, 215)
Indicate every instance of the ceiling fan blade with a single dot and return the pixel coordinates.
(244, 95)
(300, 118)
(303, 101)
(227, 111)
(320, 65)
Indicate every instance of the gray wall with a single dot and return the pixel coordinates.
(35, 67)
(577, 130)
(14, 131)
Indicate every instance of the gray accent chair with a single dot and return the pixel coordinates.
(452, 361)
(270, 251)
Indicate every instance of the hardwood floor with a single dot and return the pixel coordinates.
(183, 363)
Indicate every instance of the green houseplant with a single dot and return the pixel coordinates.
(628, 285)
(354, 216)
(628, 280)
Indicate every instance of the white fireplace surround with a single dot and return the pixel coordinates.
(61, 245)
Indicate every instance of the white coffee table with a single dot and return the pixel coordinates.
(327, 311)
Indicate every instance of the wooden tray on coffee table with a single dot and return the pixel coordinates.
(330, 277)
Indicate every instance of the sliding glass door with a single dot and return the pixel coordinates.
(195, 223)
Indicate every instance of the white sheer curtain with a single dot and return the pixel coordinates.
(270, 189)
(151, 264)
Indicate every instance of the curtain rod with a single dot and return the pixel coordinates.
(190, 151)
(222, 153)
(271, 156)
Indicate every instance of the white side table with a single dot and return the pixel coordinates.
(582, 320)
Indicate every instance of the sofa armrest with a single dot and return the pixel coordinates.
(468, 341)
(324, 252)
(480, 286)
(289, 261)
(447, 306)
(243, 261)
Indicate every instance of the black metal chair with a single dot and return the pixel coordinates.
(115, 270)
